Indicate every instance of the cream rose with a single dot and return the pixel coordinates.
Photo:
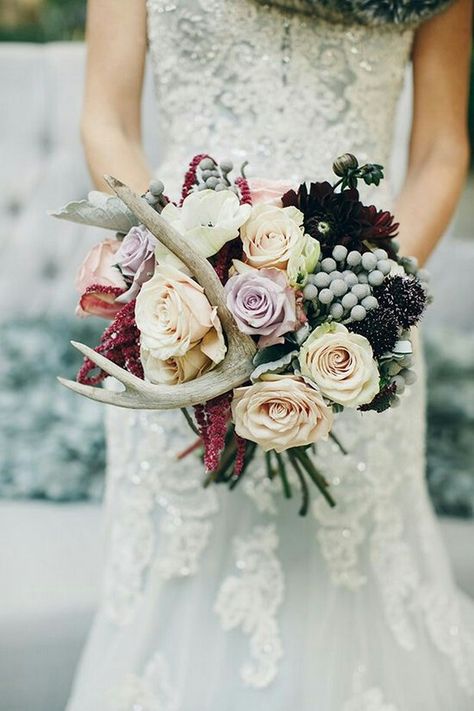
(207, 220)
(279, 412)
(270, 235)
(176, 370)
(341, 364)
(174, 316)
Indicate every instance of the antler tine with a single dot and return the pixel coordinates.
(140, 395)
(99, 394)
(108, 366)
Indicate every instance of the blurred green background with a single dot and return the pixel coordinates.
(41, 20)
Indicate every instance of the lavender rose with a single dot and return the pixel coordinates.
(263, 304)
(136, 259)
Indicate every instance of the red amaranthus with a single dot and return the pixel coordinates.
(120, 342)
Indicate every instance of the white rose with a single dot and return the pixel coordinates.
(270, 235)
(178, 369)
(341, 364)
(173, 316)
(207, 220)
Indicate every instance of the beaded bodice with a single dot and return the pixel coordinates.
(286, 90)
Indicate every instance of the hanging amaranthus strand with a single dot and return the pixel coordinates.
(190, 177)
(240, 455)
(217, 419)
(120, 342)
(243, 186)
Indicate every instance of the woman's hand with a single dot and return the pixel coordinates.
(439, 148)
(111, 118)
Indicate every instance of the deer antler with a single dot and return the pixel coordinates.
(234, 370)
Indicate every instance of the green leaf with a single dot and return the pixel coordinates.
(274, 359)
(272, 353)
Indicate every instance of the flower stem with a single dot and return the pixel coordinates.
(315, 475)
(268, 461)
(337, 441)
(192, 447)
(282, 473)
(190, 421)
(304, 486)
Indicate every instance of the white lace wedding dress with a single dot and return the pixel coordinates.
(218, 601)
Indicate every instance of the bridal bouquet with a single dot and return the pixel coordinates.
(261, 308)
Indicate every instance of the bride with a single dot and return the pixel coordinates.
(229, 601)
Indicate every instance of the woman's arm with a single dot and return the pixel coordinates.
(439, 148)
(111, 118)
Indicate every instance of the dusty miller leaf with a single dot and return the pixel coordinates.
(99, 210)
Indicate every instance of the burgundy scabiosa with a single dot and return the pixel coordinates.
(380, 327)
(405, 297)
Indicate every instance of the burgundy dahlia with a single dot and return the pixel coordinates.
(340, 218)
(377, 224)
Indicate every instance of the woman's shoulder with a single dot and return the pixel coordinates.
(365, 12)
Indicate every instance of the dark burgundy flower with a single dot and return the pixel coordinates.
(380, 327)
(382, 401)
(377, 224)
(405, 297)
(340, 218)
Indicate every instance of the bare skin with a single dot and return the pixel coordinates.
(439, 149)
(111, 119)
(439, 145)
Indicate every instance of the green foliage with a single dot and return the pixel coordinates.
(450, 445)
(57, 20)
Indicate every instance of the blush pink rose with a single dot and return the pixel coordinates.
(269, 192)
(99, 281)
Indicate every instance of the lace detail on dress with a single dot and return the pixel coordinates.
(215, 60)
(152, 691)
(252, 600)
(139, 483)
(444, 626)
(262, 491)
(366, 699)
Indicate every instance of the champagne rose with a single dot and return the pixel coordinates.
(174, 316)
(270, 235)
(279, 412)
(341, 364)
